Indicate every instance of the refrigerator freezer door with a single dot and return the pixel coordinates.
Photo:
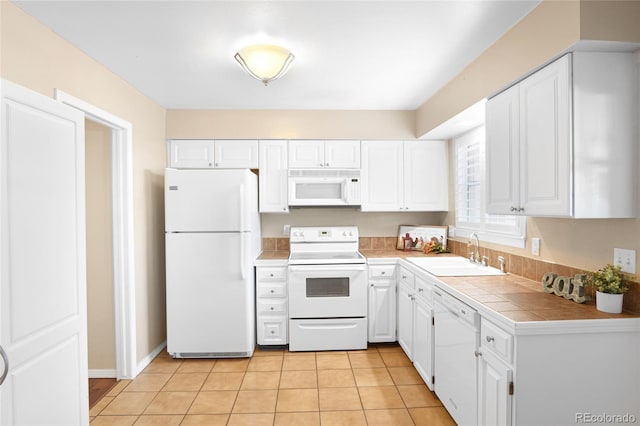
(210, 295)
(210, 200)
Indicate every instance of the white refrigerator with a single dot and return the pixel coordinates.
(212, 238)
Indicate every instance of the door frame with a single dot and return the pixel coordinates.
(123, 237)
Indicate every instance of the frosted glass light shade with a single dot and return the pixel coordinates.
(264, 62)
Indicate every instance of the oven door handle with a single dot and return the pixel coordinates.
(327, 268)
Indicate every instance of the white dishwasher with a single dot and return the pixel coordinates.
(457, 328)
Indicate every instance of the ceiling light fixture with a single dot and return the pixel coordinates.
(264, 62)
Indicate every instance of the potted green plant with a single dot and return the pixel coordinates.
(610, 285)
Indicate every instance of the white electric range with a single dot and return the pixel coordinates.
(327, 289)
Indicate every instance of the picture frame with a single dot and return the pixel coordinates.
(417, 237)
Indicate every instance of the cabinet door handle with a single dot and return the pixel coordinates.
(420, 290)
(513, 209)
(5, 361)
(477, 353)
(490, 339)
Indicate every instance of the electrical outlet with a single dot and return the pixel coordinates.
(626, 259)
(286, 229)
(535, 246)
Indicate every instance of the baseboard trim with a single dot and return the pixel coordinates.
(147, 360)
(103, 373)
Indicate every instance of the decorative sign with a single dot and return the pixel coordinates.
(567, 287)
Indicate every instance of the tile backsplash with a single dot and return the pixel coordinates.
(519, 265)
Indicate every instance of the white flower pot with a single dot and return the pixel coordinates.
(611, 303)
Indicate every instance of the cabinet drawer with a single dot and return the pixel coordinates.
(271, 289)
(424, 290)
(272, 307)
(407, 277)
(271, 274)
(382, 271)
(272, 331)
(497, 340)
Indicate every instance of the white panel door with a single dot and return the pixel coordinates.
(274, 197)
(236, 154)
(426, 176)
(494, 399)
(423, 341)
(43, 267)
(545, 141)
(502, 150)
(306, 154)
(382, 176)
(342, 154)
(405, 319)
(382, 311)
(191, 154)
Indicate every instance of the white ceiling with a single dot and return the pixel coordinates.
(349, 54)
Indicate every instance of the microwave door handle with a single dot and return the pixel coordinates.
(345, 191)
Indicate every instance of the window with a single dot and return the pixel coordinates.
(469, 196)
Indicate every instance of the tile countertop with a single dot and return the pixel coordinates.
(511, 299)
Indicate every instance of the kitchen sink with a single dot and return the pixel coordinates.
(453, 267)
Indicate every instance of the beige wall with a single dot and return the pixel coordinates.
(35, 57)
(100, 308)
(550, 28)
(290, 124)
(547, 31)
(269, 124)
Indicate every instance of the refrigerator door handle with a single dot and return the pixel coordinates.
(242, 229)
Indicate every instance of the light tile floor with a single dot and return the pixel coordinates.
(378, 386)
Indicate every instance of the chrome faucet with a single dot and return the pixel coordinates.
(474, 256)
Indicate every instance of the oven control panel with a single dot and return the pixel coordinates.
(323, 234)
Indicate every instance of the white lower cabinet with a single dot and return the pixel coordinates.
(415, 321)
(423, 337)
(382, 303)
(582, 368)
(405, 311)
(495, 387)
(272, 315)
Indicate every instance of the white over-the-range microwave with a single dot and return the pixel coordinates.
(327, 187)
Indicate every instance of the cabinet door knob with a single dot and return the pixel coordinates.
(271, 275)
(272, 292)
(490, 339)
(371, 285)
(420, 290)
(271, 308)
(477, 353)
(382, 273)
(513, 209)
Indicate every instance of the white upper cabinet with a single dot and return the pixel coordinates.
(561, 141)
(405, 176)
(236, 154)
(382, 176)
(190, 154)
(317, 154)
(208, 154)
(426, 175)
(273, 176)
